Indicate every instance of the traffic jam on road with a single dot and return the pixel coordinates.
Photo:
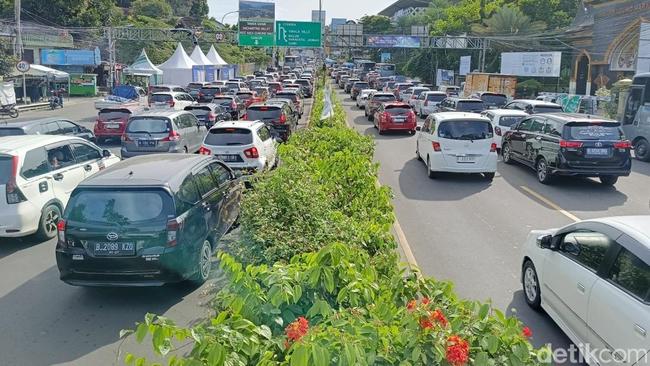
(154, 211)
(592, 276)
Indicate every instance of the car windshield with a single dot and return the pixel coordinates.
(592, 131)
(436, 97)
(263, 112)
(493, 99)
(6, 166)
(119, 207)
(548, 109)
(199, 111)
(11, 131)
(160, 98)
(465, 130)
(509, 121)
(397, 110)
(384, 98)
(229, 137)
(108, 115)
(471, 106)
(150, 125)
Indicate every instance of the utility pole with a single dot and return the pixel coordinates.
(18, 50)
(111, 58)
(483, 51)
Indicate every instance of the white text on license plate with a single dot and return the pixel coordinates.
(112, 125)
(227, 157)
(465, 159)
(599, 152)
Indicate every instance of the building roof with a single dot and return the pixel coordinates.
(402, 4)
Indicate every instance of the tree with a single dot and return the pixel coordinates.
(556, 13)
(180, 8)
(199, 9)
(376, 24)
(508, 20)
(70, 13)
(156, 9)
(7, 61)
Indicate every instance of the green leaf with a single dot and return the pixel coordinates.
(328, 280)
(140, 361)
(264, 331)
(521, 351)
(484, 311)
(300, 356)
(481, 359)
(129, 358)
(492, 343)
(216, 355)
(416, 354)
(141, 332)
(319, 356)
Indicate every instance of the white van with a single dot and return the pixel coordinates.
(457, 142)
(37, 175)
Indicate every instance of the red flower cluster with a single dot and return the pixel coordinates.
(296, 330)
(411, 305)
(527, 332)
(457, 351)
(435, 317)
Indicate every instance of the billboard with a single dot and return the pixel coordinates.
(51, 56)
(539, 64)
(256, 23)
(298, 34)
(444, 77)
(465, 65)
(393, 41)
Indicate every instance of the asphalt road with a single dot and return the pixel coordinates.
(44, 321)
(467, 230)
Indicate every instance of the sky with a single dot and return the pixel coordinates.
(301, 9)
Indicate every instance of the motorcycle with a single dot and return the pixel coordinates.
(55, 101)
(9, 110)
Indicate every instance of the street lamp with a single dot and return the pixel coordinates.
(223, 18)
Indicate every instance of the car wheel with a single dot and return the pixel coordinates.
(185, 149)
(531, 285)
(417, 152)
(642, 150)
(204, 263)
(506, 153)
(47, 228)
(489, 176)
(608, 180)
(543, 175)
(430, 174)
(101, 140)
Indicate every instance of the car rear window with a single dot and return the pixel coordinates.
(111, 115)
(292, 97)
(6, 166)
(465, 130)
(158, 89)
(229, 137)
(361, 85)
(548, 109)
(494, 99)
(592, 131)
(436, 97)
(509, 121)
(222, 101)
(263, 112)
(11, 131)
(419, 91)
(232, 86)
(212, 90)
(384, 98)
(470, 106)
(119, 207)
(150, 125)
(397, 110)
(245, 96)
(158, 98)
(404, 87)
(198, 110)
(302, 82)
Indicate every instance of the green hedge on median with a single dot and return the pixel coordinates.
(315, 279)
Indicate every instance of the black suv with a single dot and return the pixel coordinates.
(282, 119)
(455, 104)
(147, 221)
(569, 144)
(357, 87)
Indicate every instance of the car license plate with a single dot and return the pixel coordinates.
(228, 158)
(146, 143)
(114, 249)
(112, 125)
(398, 120)
(597, 152)
(465, 159)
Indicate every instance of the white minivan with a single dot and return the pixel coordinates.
(457, 142)
(502, 121)
(37, 176)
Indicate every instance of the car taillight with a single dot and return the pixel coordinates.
(14, 195)
(125, 137)
(173, 136)
(205, 151)
(283, 118)
(251, 153)
(436, 146)
(173, 227)
(493, 147)
(60, 228)
(570, 144)
(623, 145)
(411, 116)
(498, 131)
(171, 104)
(212, 117)
(245, 118)
(387, 116)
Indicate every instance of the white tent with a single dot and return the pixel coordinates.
(214, 57)
(42, 71)
(178, 68)
(143, 66)
(199, 58)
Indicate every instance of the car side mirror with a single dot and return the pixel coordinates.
(418, 128)
(545, 241)
(106, 153)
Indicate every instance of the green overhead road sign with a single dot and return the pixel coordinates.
(298, 34)
(256, 23)
(256, 40)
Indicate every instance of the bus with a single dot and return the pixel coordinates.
(385, 69)
(636, 116)
(364, 65)
(291, 61)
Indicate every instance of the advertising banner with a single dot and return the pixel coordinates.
(256, 23)
(539, 64)
(393, 41)
(465, 65)
(444, 77)
(70, 57)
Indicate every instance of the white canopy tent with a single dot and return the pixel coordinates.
(36, 71)
(143, 66)
(178, 68)
(199, 57)
(214, 57)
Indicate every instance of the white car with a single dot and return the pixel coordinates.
(363, 97)
(427, 102)
(411, 95)
(593, 279)
(457, 142)
(242, 145)
(502, 121)
(170, 100)
(37, 176)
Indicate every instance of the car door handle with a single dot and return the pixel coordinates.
(639, 329)
(88, 168)
(581, 288)
(58, 176)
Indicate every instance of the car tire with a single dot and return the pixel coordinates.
(530, 284)
(100, 140)
(609, 180)
(489, 176)
(431, 174)
(47, 226)
(543, 175)
(203, 263)
(642, 150)
(417, 152)
(506, 153)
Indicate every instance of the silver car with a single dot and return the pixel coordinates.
(162, 132)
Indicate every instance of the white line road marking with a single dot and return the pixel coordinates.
(551, 204)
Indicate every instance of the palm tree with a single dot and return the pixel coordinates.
(508, 21)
